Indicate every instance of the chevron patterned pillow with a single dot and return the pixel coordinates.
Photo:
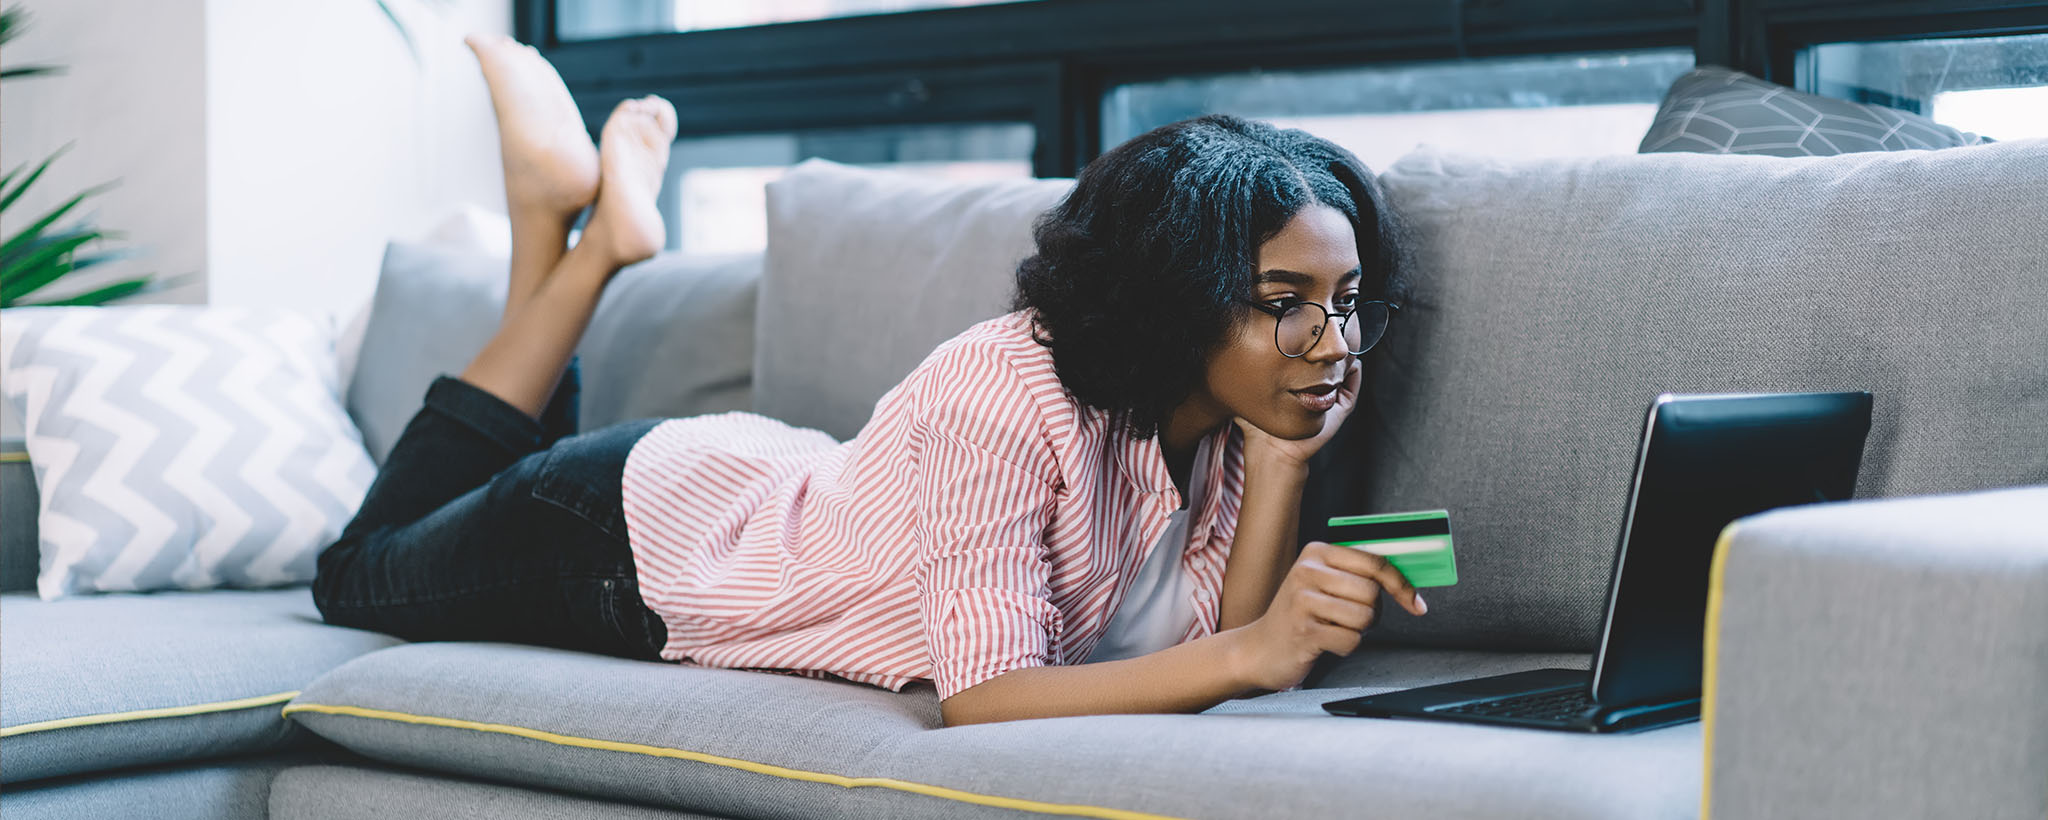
(181, 447)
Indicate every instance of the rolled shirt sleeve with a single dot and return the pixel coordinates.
(984, 493)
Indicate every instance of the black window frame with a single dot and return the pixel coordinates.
(1049, 62)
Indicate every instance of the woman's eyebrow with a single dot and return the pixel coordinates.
(1288, 277)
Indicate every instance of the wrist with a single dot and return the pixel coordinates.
(1273, 461)
(1237, 661)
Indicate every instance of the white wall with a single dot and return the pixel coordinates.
(132, 102)
(326, 138)
(270, 147)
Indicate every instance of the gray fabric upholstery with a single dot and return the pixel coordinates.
(867, 271)
(363, 793)
(1263, 757)
(1884, 660)
(672, 336)
(18, 542)
(1714, 110)
(1555, 299)
(234, 789)
(110, 654)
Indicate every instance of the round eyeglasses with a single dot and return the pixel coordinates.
(1297, 328)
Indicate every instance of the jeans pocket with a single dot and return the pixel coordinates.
(588, 491)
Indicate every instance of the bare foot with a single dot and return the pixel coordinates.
(626, 225)
(550, 165)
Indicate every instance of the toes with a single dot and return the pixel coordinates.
(664, 113)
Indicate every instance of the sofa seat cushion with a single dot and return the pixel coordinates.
(371, 793)
(232, 789)
(111, 681)
(750, 744)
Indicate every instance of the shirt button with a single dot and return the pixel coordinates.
(1203, 595)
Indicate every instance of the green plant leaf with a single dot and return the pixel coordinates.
(31, 244)
(18, 72)
(103, 295)
(19, 277)
(49, 263)
(9, 197)
(13, 20)
(403, 33)
(30, 233)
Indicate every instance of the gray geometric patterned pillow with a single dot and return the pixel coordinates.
(1714, 110)
(181, 447)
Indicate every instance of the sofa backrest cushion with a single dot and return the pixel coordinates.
(1555, 299)
(867, 271)
(672, 336)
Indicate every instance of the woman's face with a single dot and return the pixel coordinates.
(1313, 259)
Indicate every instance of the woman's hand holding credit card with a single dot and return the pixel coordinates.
(1325, 603)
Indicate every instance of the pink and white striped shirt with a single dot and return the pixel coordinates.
(982, 521)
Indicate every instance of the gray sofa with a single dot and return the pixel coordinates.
(1881, 658)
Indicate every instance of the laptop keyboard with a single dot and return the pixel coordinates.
(1557, 704)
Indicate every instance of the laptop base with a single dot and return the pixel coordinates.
(1435, 703)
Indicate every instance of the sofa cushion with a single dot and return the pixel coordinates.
(751, 744)
(111, 681)
(368, 793)
(232, 789)
(672, 336)
(1715, 110)
(1555, 299)
(867, 271)
(181, 447)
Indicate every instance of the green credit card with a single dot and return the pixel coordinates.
(1416, 543)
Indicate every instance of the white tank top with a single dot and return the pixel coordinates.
(1160, 605)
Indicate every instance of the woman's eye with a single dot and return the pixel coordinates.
(1283, 302)
(1347, 302)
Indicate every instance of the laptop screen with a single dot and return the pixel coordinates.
(1704, 462)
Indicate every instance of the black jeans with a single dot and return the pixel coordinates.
(486, 525)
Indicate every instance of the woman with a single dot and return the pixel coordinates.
(1085, 506)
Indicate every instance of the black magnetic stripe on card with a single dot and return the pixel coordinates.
(1393, 529)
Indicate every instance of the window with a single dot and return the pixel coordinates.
(1505, 106)
(594, 19)
(714, 201)
(1993, 86)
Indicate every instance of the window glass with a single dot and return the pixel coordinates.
(1560, 105)
(1994, 86)
(592, 19)
(714, 202)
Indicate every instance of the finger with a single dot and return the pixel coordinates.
(1336, 639)
(1349, 614)
(1376, 568)
(1341, 583)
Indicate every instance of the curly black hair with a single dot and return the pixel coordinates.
(1138, 271)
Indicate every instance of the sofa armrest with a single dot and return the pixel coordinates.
(1881, 659)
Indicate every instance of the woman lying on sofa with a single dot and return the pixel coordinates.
(1185, 337)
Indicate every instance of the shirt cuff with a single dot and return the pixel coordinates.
(977, 634)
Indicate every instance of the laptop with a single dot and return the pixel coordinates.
(1704, 461)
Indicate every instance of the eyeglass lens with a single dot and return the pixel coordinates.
(1302, 325)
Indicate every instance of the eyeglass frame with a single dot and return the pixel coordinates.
(1342, 319)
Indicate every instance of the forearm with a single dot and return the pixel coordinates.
(1264, 547)
(1186, 678)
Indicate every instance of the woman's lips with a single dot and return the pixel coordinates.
(1314, 402)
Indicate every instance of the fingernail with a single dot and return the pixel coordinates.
(1421, 604)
